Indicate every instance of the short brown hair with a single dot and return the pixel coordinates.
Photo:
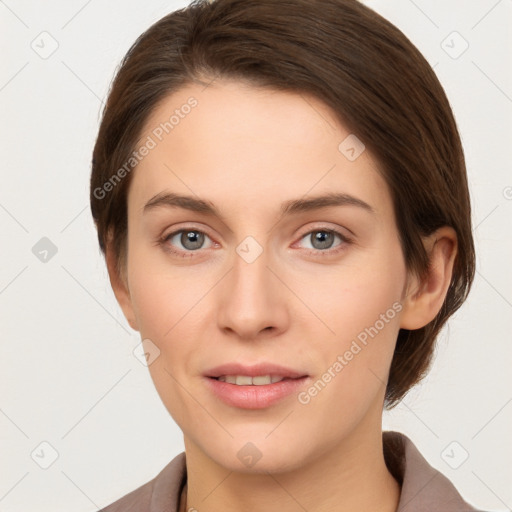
(373, 78)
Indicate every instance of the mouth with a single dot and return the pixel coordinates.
(254, 387)
(257, 380)
(255, 374)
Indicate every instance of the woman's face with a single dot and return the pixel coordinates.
(316, 290)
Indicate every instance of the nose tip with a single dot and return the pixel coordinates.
(251, 302)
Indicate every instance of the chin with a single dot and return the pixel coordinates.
(255, 454)
(271, 462)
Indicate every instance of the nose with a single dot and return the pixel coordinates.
(252, 303)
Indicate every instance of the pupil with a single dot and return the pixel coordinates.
(321, 237)
(191, 237)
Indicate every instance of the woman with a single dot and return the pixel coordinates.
(280, 193)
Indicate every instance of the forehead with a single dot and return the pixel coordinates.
(230, 118)
(230, 141)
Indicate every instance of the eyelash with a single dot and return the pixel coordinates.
(164, 242)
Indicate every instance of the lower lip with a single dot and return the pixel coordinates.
(254, 397)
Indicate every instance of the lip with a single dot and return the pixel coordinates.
(262, 368)
(254, 397)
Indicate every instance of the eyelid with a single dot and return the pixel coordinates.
(326, 227)
(176, 230)
(331, 251)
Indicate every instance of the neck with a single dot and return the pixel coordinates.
(350, 476)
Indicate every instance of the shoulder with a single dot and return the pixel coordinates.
(160, 493)
(424, 488)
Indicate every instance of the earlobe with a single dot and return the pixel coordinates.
(424, 300)
(120, 287)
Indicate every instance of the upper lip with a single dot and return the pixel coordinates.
(254, 370)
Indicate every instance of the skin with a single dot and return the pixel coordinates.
(246, 150)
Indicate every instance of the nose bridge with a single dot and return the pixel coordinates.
(251, 300)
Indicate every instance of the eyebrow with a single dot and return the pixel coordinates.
(169, 199)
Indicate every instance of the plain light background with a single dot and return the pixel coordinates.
(69, 378)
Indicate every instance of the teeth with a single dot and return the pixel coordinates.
(245, 380)
(242, 380)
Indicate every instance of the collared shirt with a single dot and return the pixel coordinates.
(423, 488)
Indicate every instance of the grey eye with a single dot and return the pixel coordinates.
(321, 239)
(188, 238)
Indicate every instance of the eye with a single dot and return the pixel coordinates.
(190, 240)
(322, 240)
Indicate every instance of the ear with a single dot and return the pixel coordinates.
(119, 283)
(423, 300)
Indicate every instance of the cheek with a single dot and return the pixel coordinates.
(169, 308)
(156, 304)
(361, 308)
(166, 309)
(161, 297)
(355, 295)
